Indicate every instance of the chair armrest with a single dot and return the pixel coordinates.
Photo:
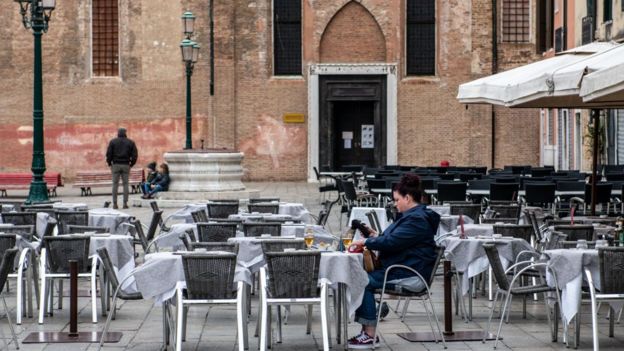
(527, 253)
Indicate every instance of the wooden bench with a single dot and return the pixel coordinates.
(22, 181)
(86, 180)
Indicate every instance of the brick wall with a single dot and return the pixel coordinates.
(247, 109)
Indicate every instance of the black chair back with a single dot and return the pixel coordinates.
(293, 274)
(209, 275)
(577, 231)
(503, 191)
(452, 191)
(471, 210)
(222, 210)
(272, 208)
(216, 232)
(66, 218)
(540, 193)
(257, 229)
(264, 200)
(611, 261)
(62, 249)
(25, 231)
(20, 218)
(603, 193)
(497, 266)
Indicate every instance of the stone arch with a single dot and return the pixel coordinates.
(352, 35)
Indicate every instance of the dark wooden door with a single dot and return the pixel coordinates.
(352, 123)
(354, 120)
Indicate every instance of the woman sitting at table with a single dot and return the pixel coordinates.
(160, 183)
(408, 241)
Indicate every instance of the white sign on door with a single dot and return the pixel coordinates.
(368, 136)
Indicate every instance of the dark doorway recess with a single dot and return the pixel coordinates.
(352, 123)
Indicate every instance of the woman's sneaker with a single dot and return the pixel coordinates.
(362, 341)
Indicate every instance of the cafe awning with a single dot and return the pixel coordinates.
(606, 85)
(545, 83)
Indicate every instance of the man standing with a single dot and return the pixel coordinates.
(121, 155)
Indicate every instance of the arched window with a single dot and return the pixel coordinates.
(105, 38)
(286, 37)
(420, 37)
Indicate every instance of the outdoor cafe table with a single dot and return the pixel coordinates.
(171, 239)
(110, 218)
(568, 266)
(163, 272)
(442, 210)
(469, 257)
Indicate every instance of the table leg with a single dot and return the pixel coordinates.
(29, 290)
(345, 314)
(490, 283)
(338, 312)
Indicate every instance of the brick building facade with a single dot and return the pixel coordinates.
(418, 120)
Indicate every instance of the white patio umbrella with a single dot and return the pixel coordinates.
(533, 85)
(551, 83)
(606, 85)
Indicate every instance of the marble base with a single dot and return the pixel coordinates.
(200, 171)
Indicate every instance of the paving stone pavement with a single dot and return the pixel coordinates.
(215, 328)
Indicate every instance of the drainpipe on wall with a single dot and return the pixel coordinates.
(494, 71)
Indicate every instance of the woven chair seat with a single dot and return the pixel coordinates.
(531, 289)
(130, 296)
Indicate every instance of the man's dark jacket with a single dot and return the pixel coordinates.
(409, 241)
(121, 150)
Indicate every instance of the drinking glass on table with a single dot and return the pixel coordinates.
(309, 238)
(347, 239)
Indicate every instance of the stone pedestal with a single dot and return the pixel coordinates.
(205, 170)
(204, 175)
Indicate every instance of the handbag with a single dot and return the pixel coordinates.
(371, 261)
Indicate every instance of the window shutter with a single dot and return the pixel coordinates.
(287, 37)
(105, 38)
(420, 37)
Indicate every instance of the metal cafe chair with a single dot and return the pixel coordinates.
(272, 208)
(257, 229)
(57, 251)
(416, 287)
(222, 209)
(20, 218)
(66, 218)
(210, 281)
(119, 293)
(292, 278)
(215, 232)
(451, 191)
(77, 229)
(611, 262)
(5, 267)
(467, 209)
(507, 288)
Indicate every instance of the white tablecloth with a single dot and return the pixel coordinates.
(110, 218)
(296, 211)
(469, 257)
(256, 217)
(569, 265)
(70, 206)
(162, 272)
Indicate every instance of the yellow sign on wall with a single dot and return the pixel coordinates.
(294, 118)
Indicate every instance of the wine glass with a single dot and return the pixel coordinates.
(309, 238)
(346, 241)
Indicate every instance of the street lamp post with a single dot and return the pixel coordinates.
(190, 53)
(35, 16)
